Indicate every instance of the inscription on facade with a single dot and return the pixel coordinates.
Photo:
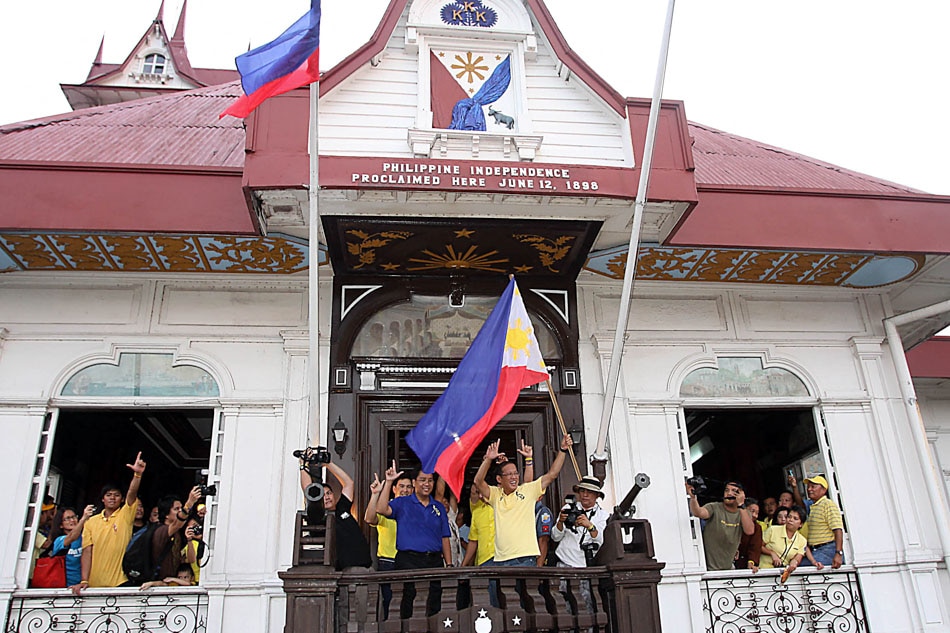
(489, 177)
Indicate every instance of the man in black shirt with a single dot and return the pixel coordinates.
(352, 549)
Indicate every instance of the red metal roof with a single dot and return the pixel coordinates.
(180, 129)
(727, 160)
(930, 359)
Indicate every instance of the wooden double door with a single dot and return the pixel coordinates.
(384, 423)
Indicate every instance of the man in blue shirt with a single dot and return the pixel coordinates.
(426, 543)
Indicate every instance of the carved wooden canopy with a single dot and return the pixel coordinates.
(436, 247)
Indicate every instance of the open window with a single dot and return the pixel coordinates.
(136, 402)
(759, 447)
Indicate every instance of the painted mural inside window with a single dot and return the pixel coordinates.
(741, 377)
(142, 375)
(428, 328)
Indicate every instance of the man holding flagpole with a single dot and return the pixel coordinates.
(516, 543)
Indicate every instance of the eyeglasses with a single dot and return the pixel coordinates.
(70, 517)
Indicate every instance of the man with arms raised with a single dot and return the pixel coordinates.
(516, 543)
(106, 534)
(726, 522)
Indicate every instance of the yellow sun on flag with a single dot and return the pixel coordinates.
(519, 339)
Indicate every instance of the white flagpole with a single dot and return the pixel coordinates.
(313, 361)
(599, 456)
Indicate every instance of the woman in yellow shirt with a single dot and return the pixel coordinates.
(783, 546)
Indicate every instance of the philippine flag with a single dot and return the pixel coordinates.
(290, 61)
(503, 359)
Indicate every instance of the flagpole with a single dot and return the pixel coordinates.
(313, 361)
(560, 419)
(599, 457)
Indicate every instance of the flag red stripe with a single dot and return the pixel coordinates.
(444, 92)
(308, 73)
(451, 463)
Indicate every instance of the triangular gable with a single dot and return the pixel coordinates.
(564, 53)
(472, 80)
(175, 73)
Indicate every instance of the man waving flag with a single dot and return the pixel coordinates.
(503, 359)
(290, 61)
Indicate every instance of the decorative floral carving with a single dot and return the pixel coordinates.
(550, 251)
(365, 250)
(156, 253)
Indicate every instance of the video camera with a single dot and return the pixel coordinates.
(312, 458)
(700, 487)
(313, 455)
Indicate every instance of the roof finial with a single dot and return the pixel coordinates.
(180, 29)
(98, 59)
(161, 13)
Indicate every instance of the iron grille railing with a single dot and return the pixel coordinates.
(809, 602)
(159, 610)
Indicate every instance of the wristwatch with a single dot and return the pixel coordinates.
(840, 552)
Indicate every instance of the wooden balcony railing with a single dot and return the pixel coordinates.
(616, 594)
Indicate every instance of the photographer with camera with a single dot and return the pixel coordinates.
(726, 522)
(194, 547)
(352, 550)
(168, 542)
(579, 531)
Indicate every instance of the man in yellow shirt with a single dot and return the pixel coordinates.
(825, 527)
(106, 535)
(516, 542)
(481, 537)
(385, 531)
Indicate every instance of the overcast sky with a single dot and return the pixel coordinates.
(861, 84)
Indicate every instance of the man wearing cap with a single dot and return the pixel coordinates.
(726, 522)
(588, 527)
(47, 511)
(575, 541)
(825, 527)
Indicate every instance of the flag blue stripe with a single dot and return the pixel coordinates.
(282, 56)
(471, 390)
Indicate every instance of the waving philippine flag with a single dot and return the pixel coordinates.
(503, 359)
(290, 61)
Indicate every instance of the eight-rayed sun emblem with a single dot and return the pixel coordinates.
(470, 67)
(519, 339)
(451, 259)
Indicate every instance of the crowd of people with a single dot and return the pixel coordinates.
(117, 545)
(792, 532)
(421, 525)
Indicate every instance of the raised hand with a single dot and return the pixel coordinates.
(492, 453)
(566, 443)
(740, 498)
(376, 486)
(88, 511)
(526, 451)
(139, 466)
(392, 474)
